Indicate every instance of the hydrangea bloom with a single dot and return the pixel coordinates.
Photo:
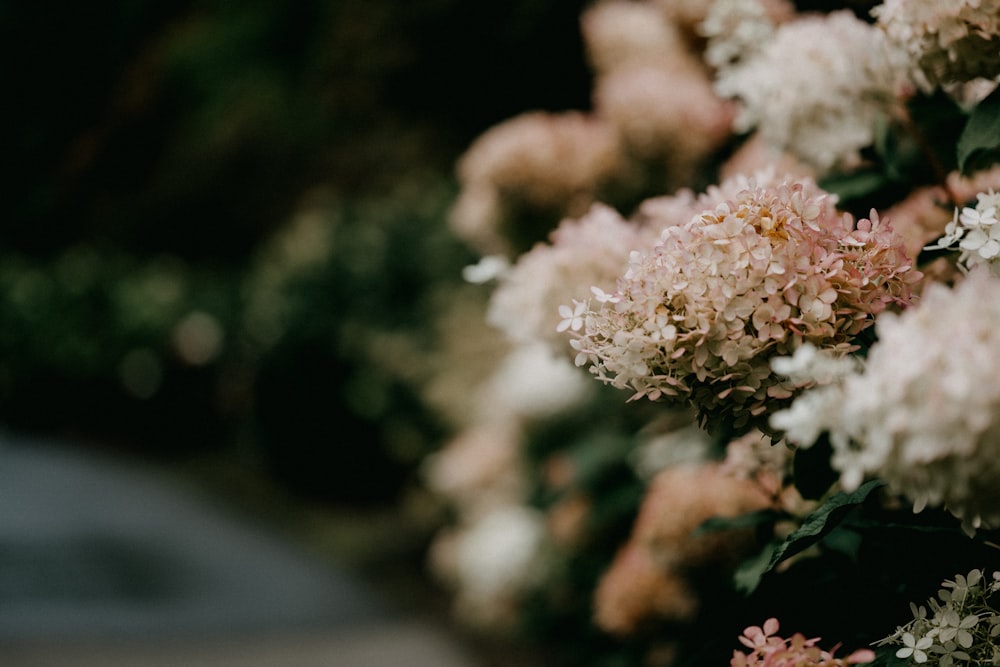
(666, 112)
(651, 575)
(553, 162)
(923, 413)
(963, 626)
(585, 251)
(768, 649)
(947, 40)
(492, 562)
(619, 32)
(976, 231)
(824, 103)
(699, 316)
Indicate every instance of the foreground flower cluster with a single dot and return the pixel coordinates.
(699, 315)
(779, 229)
(770, 650)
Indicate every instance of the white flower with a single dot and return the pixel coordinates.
(572, 317)
(915, 648)
(976, 232)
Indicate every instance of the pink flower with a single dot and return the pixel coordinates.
(760, 270)
(770, 650)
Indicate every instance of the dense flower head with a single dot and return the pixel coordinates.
(756, 275)
(924, 412)
(768, 649)
(946, 40)
(961, 628)
(818, 86)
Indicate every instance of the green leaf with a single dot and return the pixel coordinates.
(979, 143)
(821, 522)
(748, 574)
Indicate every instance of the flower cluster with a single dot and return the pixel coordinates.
(976, 230)
(650, 578)
(824, 104)
(946, 40)
(552, 162)
(699, 316)
(736, 233)
(963, 626)
(922, 414)
(768, 649)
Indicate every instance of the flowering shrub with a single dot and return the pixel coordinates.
(806, 301)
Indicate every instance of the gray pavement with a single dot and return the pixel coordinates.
(105, 563)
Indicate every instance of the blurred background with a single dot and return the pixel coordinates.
(224, 251)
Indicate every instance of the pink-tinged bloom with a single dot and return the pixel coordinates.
(650, 577)
(771, 650)
(755, 274)
(551, 164)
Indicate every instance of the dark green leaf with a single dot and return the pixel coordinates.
(748, 574)
(822, 521)
(979, 144)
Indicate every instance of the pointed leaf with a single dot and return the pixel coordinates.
(822, 521)
(979, 144)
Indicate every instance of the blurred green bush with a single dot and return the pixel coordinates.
(224, 222)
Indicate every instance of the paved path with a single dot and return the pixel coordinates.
(108, 564)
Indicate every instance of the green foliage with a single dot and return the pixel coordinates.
(812, 529)
(979, 144)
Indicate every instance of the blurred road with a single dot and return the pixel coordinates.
(109, 564)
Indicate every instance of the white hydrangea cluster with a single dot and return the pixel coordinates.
(962, 628)
(817, 87)
(947, 41)
(924, 413)
(976, 231)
